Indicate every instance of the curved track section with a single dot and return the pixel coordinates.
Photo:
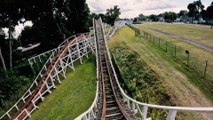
(64, 56)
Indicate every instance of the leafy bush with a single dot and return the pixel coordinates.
(11, 89)
(139, 79)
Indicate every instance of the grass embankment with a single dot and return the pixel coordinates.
(176, 83)
(198, 56)
(140, 81)
(72, 97)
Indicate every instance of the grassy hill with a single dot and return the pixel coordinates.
(73, 96)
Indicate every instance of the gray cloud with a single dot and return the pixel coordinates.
(132, 8)
(160, 7)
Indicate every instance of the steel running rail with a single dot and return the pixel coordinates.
(64, 56)
(136, 106)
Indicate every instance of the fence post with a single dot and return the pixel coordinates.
(139, 32)
(159, 42)
(175, 50)
(144, 34)
(153, 39)
(204, 75)
(166, 46)
(187, 59)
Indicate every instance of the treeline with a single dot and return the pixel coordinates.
(196, 11)
(53, 21)
(110, 16)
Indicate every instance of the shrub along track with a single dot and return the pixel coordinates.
(139, 79)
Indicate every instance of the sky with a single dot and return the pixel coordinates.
(18, 29)
(132, 8)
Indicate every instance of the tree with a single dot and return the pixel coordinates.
(209, 13)
(29, 36)
(3, 63)
(192, 10)
(142, 17)
(112, 14)
(154, 17)
(182, 13)
(199, 5)
(195, 9)
(53, 20)
(103, 17)
(77, 12)
(9, 17)
(170, 16)
(1, 55)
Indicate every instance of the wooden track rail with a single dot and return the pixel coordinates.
(112, 105)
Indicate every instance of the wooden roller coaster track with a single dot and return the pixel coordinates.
(112, 105)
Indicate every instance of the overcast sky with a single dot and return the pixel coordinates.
(132, 8)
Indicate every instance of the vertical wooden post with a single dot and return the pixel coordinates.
(166, 46)
(175, 50)
(204, 75)
(187, 59)
(159, 42)
(153, 40)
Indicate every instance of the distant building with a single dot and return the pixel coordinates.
(201, 20)
(178, 19)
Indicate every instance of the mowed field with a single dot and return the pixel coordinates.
(198, 33)
(182, 90)
(73, 96)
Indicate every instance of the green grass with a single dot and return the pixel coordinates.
(106, 29)
(198, 56)
(182, 90)
(72, 97)
(202, 34)
(141, 82)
